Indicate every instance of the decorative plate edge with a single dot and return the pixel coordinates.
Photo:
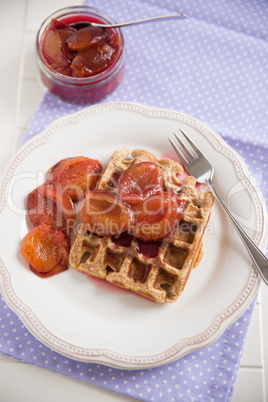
(105, 356)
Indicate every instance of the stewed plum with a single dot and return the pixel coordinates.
(94, 60)
(139, 182)
(79, 52)
(46, 249)
(157, 216)
(87, 37)
(51, 204)
(104, 213)
(76, 175)
(55, 48)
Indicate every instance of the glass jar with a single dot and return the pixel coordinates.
(77, 89)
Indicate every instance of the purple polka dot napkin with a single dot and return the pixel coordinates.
(212, 66)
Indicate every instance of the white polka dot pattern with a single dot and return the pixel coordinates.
(214, 67)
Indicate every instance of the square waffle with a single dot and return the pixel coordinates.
(161, 278)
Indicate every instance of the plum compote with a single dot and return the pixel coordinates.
(78, 62)
(46, 249)
(104, 213)
(157, 216)
(149, 248)
(52, 205)
(79, 52)
(139, 182)
(75, 175)
(55, 48)
(87, 36)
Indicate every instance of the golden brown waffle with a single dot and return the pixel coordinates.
(163, 277)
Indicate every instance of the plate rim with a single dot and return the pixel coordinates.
(184, 346)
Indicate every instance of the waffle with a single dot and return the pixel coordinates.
(161, 278)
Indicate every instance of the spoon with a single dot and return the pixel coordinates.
(124, 24)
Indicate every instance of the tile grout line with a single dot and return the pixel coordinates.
(243, 367)
(264, 360)
(3, 358)
(14, 144)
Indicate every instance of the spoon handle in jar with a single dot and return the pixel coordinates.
(144, 21)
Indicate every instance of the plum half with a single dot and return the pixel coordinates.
(76, 175)
(104, 213)
(157, 216)
(46, 249)
(52, 205)
(139, 182)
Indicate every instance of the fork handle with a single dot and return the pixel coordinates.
(257, 256)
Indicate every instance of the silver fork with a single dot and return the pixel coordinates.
(198, 166)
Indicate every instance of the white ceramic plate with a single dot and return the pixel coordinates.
(92, 321)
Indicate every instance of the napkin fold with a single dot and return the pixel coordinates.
(212, 67)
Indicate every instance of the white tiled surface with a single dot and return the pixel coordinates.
(20, 94)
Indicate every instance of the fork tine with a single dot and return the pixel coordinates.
(179, 153)
(190, 142)
(190, 154)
